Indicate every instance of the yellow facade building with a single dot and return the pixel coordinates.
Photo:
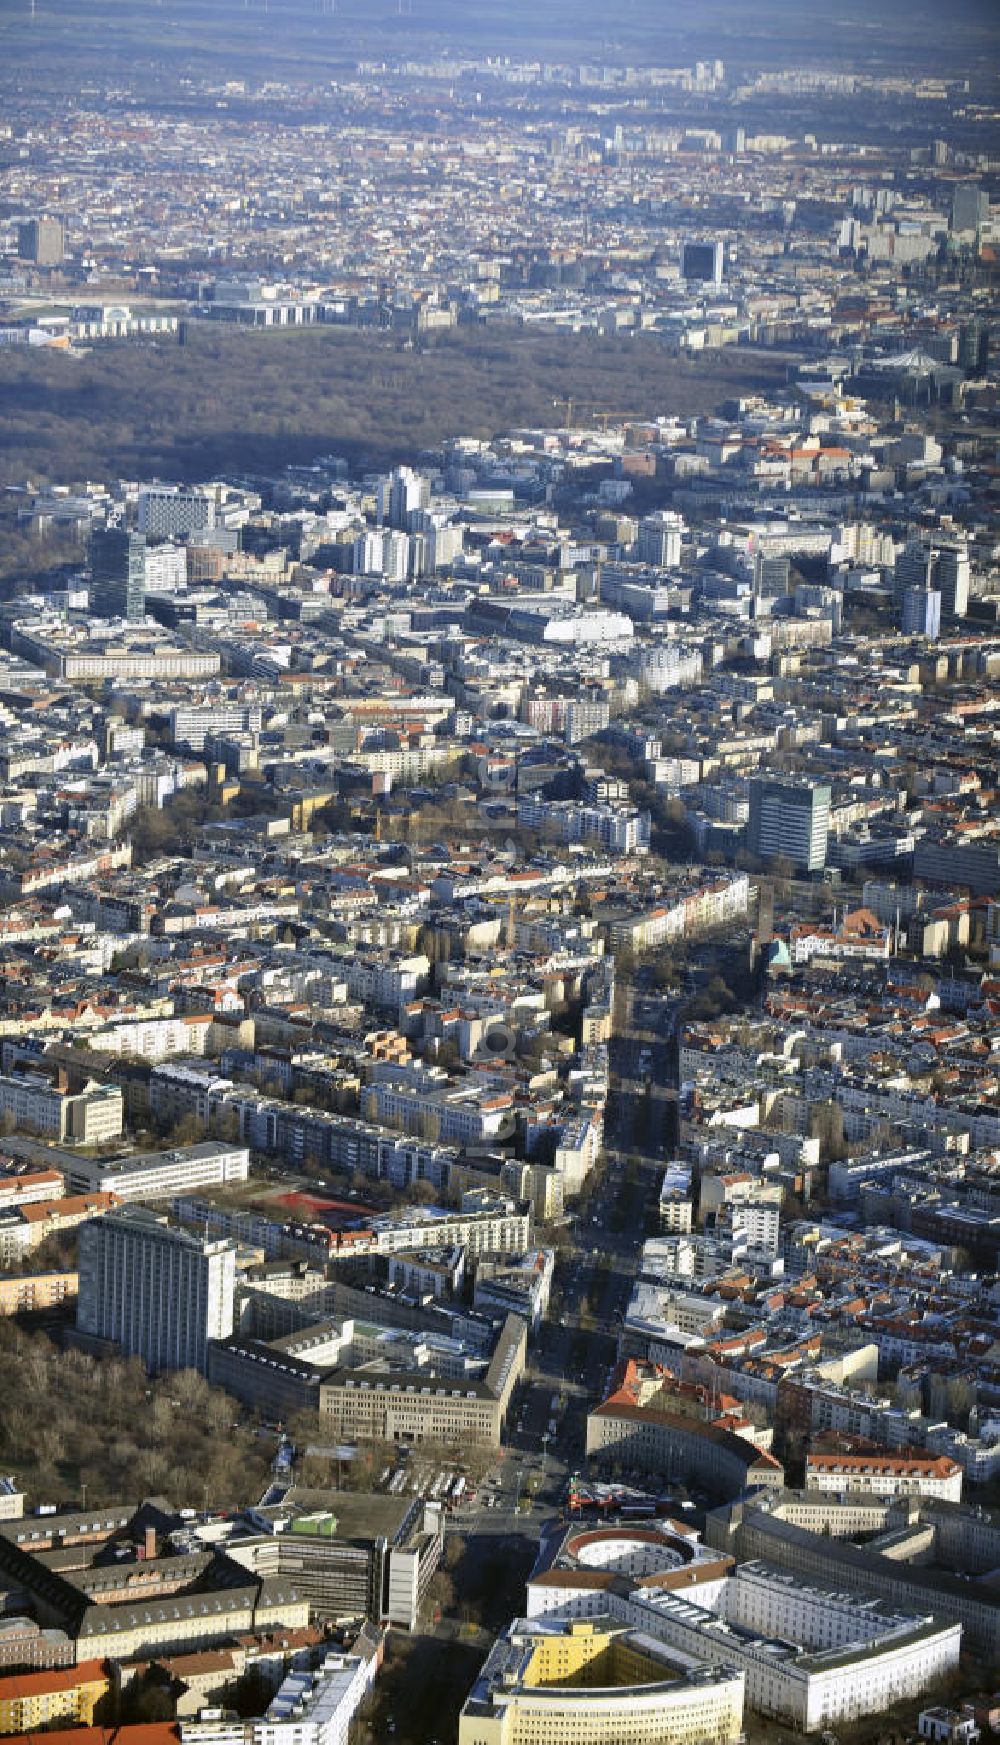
(594, 1682)
(32, 1701)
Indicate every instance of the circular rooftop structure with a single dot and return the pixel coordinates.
(629, 1551)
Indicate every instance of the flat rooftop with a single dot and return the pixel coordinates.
(361, 1515)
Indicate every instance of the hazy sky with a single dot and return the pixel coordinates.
(84, 36)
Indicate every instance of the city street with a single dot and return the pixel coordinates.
(570, 1362)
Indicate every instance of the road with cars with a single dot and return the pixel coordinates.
(572, 1357)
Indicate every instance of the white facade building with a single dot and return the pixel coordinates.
(159, 1293)
(811, 1657)
(167, 512)
(317, 1708)
(158, 1175)
(886, 1475)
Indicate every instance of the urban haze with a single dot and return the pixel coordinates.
(499, 872)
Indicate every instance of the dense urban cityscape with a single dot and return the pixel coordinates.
(499, 873)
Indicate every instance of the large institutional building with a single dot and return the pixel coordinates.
(809, 1534)
(548, 1683)
(65, 1565)
(413, 1406)
(650, 1433)
(157, 1175)
(810, 1656)
(159, 1293)
(349, 1554)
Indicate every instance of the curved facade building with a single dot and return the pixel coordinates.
(678, 1449)
(598, 1683)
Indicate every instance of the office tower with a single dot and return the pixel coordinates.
(771, 575)
(165, 569)
(381, 552)
(969, 207)
(952, 577)
(703, 261)
(973, 344)
(914, 569)
(659, 539)
(41, 240)
(920, 612)
(945, 568)
(118, 573)
(400, 496)
(167, 513)
(157, 1292)
(790, 819)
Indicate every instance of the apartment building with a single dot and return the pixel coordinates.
(32, 1702)
(27, 1185)
(35, 1292)
(159, 1293)
(30, 1226)
(619, 830)
(462, 1114)
(89, 1117)
(886, 1475)
(502, 1229)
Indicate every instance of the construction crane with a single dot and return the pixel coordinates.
(594, 413)
(606, 418)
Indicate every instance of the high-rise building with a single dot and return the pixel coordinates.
(165, 512)
(771, 575)
(159, 1293)
(165, 569)
(973, 344)
(914, 569)
(41, 240)
(401, 496)
(920, 612)
(382, 552)
(789, 819)
(952, 577)
(118, 573)
(444, 545)
(969, 207)
(944, 568)
(659, 539)
(703, 261)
